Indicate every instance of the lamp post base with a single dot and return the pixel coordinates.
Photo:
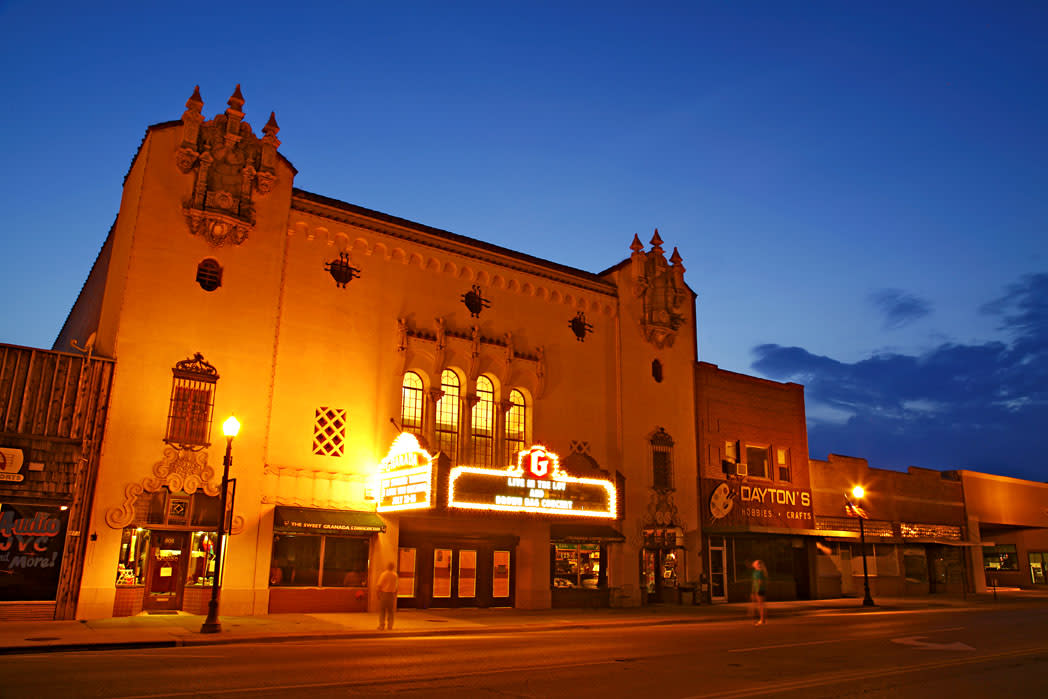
(211, 623)
(867, 601)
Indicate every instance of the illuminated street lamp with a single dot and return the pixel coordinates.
(854, 509)
(211, 624)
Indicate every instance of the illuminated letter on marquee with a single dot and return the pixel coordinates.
(536, 484)
(406, 482)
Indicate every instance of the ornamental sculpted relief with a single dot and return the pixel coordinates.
(231, 165)
(660, 286)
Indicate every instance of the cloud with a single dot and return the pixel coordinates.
(899, 308)
(979, 406)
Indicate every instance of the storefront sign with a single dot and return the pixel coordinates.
(406, 481)
(10, 465)
(31, 542)
(739, 503)
(536, 484)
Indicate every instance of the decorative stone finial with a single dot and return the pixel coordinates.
(636, 245)
(271, 128)
(656, 241)
(675, 258)
(237, 100)
(195, 102)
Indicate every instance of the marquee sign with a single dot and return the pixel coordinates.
(406, 482)
(536, 484)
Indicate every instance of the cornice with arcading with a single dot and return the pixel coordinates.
(474, 250)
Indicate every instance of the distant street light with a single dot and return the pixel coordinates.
(230, 428)
(854, 509)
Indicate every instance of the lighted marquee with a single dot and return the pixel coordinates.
(406, 481)
(536, 484)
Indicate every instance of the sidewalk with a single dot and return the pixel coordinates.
(157, 631)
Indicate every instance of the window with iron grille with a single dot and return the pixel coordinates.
(209, 274)
(662, 461)
(483, 423)
(192, 403)
(411, 404)
(448, 415)
(516, 423)
(329, 432)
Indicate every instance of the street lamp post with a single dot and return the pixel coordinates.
(211, 624)
(858, 492)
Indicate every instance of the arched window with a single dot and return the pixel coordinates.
(411, 404)
(483, 423)
(516, 423)
(448, 415)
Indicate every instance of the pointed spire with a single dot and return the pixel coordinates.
(675, 258)
(237, 100)
(656, 241)
(195, 102)
(271, 128)
(636, 245)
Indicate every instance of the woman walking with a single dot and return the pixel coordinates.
(758, 591)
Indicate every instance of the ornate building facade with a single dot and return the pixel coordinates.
(508, 430)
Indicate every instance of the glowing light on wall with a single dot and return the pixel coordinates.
(406, 481)
(535, 484)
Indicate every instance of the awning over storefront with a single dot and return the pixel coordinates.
(584, 532)
(306, 520)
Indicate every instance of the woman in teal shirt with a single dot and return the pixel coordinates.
(758, 591)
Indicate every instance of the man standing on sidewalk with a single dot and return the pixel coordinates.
(387, 596)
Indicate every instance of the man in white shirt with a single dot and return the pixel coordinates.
(387, 596)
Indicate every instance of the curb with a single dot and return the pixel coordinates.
(200, 641)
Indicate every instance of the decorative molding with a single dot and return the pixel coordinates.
(302, 487)
(660, 286)
(595, 298)
(230, 165)
(178, 470)
(662, 511)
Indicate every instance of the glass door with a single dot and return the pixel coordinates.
(165, 576)
(467, 574)
(718, 577)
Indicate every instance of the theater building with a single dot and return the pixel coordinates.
(508, 430)
(755, 489)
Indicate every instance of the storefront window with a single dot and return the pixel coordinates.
(134, 548)
(576, 565)
(296, 561)
(1000, 557)
(201, 567)
(1039, 568)
(345, 562)
(297, 558)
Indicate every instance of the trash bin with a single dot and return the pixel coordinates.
(687, 594)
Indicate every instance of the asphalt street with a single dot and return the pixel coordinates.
(946, 652)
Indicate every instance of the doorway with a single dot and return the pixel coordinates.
(166, 572)
(660, 571)
(718, 570)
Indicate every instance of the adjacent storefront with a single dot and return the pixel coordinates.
(320, 559)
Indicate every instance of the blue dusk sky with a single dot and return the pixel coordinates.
(858, 190)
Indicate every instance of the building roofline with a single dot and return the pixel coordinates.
(320, 205)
